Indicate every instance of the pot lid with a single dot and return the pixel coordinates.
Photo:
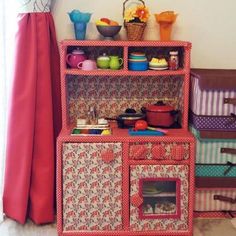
(159, 107)
(104, 57)
(78, 51)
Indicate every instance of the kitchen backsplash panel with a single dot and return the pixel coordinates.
(112, 95)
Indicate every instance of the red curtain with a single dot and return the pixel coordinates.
(34, 122)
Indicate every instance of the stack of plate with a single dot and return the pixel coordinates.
(158, 64)
(137, 61)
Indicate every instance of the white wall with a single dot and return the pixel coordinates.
(209, 24)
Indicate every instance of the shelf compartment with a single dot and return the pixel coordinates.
(159, 52)
(112, 95)
(93, 52)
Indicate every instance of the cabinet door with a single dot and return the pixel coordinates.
(159, 197)
(92, 183)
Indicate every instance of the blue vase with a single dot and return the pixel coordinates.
(80, 30)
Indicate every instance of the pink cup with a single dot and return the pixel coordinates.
(87, 65)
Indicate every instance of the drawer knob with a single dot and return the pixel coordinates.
(178, 153)
(138, 152)
(158, 152)
(136, 200)
(107, 156)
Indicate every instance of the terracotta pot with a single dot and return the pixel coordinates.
(160, 114)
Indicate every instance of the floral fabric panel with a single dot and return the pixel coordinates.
(92, 188)
(138, 172)
(28, 6)
(112, 95)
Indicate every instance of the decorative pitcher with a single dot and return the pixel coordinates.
(115, 62)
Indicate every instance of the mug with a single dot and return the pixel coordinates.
(87, 65)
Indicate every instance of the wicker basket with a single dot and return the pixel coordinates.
(134, 30)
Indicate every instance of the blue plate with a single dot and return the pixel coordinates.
(145, 133)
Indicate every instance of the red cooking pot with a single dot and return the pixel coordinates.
(160, 114)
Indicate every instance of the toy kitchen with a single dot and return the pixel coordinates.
(125, 157)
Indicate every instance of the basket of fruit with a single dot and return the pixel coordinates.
(135, 19)
(108, 28)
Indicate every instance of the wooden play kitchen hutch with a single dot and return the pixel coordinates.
(120, 184)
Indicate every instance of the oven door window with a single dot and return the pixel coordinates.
(161, 198)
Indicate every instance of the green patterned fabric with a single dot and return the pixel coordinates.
(214, 171)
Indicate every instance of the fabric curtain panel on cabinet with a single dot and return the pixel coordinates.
(34, 118)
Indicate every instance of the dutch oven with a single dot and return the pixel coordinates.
(160, 114)
(128, 118)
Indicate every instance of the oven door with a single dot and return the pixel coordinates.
(159, 197)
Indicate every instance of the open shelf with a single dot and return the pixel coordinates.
(124, 72)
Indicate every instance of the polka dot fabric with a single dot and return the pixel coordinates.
(213, 122)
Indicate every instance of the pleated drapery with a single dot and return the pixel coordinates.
(34, 122)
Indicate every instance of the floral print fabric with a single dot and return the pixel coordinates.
(92, 188)
(138, 172)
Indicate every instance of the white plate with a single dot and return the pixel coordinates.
(158, 68)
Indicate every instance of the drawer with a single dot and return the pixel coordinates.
(213, 92)
(215, 200)
(159, 151)
(214, 151)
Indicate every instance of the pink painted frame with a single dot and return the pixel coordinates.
(183, 136)
(161, 216)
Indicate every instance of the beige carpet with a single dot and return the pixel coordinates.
(202, 227)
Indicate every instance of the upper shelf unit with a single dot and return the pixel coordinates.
(111, 91)
(152, 49)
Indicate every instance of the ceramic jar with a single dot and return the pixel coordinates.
(75, 57)
(103, 62)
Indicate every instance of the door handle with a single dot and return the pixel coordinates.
(225, 199)
(230, 101)
(136, 200)
(228, 150)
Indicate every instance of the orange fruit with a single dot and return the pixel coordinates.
(113, 23)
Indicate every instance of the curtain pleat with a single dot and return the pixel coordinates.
(34, 122)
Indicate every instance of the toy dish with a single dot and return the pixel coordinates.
(138, 60)
(108, 31)
(158, 68)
